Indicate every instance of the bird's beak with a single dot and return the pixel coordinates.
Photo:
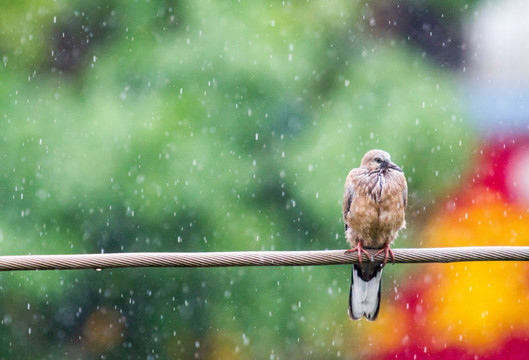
(391, 165)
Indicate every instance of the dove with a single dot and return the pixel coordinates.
(374, 207)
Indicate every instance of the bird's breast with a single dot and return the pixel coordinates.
(378, 212)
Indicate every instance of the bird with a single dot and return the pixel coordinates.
(374, 207)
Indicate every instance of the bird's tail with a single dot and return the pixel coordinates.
(364, 295)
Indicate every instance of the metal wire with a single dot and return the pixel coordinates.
(257, 258)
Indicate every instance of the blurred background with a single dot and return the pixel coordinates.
(218, 126)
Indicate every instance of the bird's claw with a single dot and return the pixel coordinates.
(359, 249)
(387, 252)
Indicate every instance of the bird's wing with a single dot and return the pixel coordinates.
(348, 197)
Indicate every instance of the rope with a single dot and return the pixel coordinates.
(257, 258)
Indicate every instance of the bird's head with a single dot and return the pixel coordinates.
(378, 160)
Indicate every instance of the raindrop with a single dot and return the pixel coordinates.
(245, 339)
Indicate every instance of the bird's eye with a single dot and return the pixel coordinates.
(378, 160)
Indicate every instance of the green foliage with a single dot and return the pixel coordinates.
(199, 126)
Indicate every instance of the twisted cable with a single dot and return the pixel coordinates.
(257, 258)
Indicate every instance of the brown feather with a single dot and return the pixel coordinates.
(374, 210)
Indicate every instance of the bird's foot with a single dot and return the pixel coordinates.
(359, 249)
(387, 250)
